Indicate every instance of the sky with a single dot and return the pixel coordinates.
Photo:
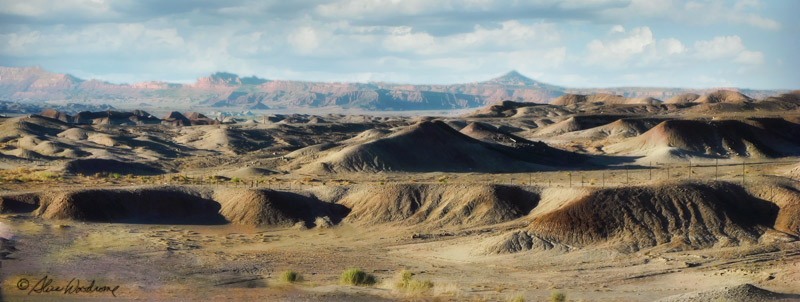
(572, 43)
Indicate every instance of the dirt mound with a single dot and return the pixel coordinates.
(196, 118)
(786, 195)
(91, 166)
(488, 133)
(684, 98)
(175, 118)
(684, 215)
(58, 115)
(19, 203)
(739, 293)
(228, 139)
(274, 208)
(520, 241)
(249, 173)
(621, 128)
(75, 134)
(608, 99)
(643, 101)
(576, 99)
(162, 205)
(575, 123)
(519, 110)
(748, 138)
(34, 126)
(569, 99)
(368, 135)
(427, 146)
(437, 205)
(723, 96)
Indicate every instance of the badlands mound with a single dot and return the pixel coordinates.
(739, 293)
(683, 215)
(519, 110)
(161, 205)
(684, 98)
(274, 208)
(748, 138)
(19, 203)
(723, 96)
(604, 98)
(621, 128)
(437, 205)
(423, 147)
(569, 99)
(576, 123)
(92, 166)
(491, 134)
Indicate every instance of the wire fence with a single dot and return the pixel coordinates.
(727, 170)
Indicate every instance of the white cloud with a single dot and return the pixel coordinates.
(304, 40)
(618, 51)
(750, 57)
(44, 8)
(671, 46)
(617, 29)
(693, 13)
(511, 35)
(401, 39)
(719, 47)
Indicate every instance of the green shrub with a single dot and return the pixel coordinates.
(557, 296)
(236, 179)
(291, 276)
(115, 175)
(408, 284)
(356, 276)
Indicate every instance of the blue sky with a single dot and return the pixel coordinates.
(573, 43)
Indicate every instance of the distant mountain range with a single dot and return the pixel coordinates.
(227, 90)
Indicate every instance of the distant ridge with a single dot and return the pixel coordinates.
(228, 90)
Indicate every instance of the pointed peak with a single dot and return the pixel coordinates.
(513, 78)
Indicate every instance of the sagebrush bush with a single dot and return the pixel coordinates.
(356, 276)
(408, 284)
(517, 298)
(557, 296)
(291, 276)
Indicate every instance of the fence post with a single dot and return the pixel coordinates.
(627, 176)
(716, 169)
(650, 169)
(743, 172)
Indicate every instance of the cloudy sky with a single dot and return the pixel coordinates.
(573, 43)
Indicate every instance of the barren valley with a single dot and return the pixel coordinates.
(596, 197)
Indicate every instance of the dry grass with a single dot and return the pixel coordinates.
(357, 277)
(408, 284)
(557, 296)
(290, 276)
